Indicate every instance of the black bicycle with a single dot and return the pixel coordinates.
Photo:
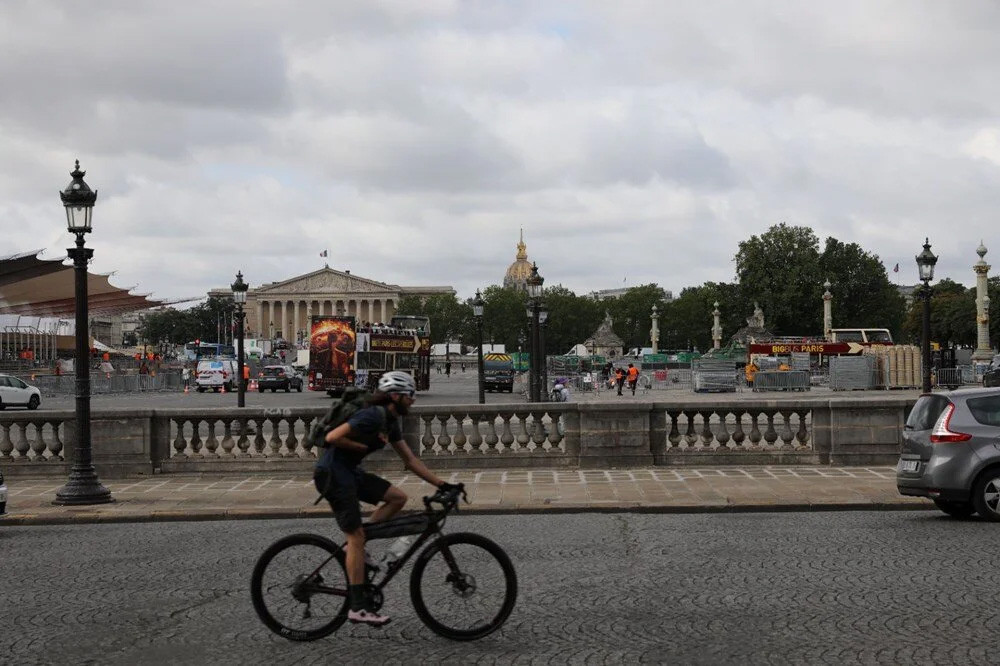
(463, 586)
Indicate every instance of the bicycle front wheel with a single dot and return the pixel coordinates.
(463, 586)
(299, 587)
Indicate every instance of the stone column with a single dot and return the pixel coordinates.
(827, 311)
(298, 326)
(983, 353)
(716, 328)
(654, 331)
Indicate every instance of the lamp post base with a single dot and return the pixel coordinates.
(83, 489)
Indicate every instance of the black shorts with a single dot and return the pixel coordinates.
(346, 488)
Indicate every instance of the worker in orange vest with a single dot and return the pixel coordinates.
(620, 379)
(633, 377)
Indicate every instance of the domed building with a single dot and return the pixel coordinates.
(519, 271)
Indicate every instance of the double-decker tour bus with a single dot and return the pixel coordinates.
(342, 353)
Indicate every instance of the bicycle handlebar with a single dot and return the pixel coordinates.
(448, 498)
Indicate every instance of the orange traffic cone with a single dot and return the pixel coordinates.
(253, 385)
(187, 389)
(223, 389)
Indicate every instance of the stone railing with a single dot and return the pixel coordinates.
(126, 442)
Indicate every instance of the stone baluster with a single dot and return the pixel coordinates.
(537, 429)
(674, 437)
(770, 435)
(212, 443)
(427, 441)
(755, 435)
(6, 445)
(180, 444)
(507, 438)
(476, 438)
(38, 442)
(802, 435)
(786, 431)
(291, 441)
(443, 438)
(258, 441)
(228, 443)
(523, 434)
(460, 440)
(21, 442)
(274, 441)
(56, 444)
(707, 436)
(690, 436)
(196, 438)
(308, 449)
(491, 434)
(242, 441)
(555, 437)
(738, 434)
(723, 436)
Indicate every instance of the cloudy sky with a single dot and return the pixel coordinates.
(630, 140)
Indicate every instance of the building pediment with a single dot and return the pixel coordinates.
(326, 281)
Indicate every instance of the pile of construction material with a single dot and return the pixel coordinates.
(711, 375)
(899, 366)
(853, 373)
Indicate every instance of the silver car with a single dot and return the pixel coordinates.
(951, 452)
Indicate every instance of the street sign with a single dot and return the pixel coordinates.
(779, 348)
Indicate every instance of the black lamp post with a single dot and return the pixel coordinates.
(240, 298)
(535, 282)
(83, 486)
(477, 312)
(925, 265)
(543, 382)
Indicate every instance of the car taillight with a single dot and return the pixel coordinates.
(942, 434)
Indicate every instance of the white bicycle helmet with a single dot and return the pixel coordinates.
(396, 381)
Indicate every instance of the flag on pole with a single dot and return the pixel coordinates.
(323, 253)
(896, 269)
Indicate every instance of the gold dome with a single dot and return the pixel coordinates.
(519, 271)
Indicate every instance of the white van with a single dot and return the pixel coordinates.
(215, 375)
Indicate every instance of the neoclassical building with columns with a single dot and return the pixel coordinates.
(283, 308)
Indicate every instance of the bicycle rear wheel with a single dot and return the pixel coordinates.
(463, 586)
(299, 587)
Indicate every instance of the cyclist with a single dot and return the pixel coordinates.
(341, 480)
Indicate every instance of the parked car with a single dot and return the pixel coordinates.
(215, 375)
(950, 452)
(3, 495)
(15, 393)
(276, 377)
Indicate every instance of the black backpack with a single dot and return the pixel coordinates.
(353, 399)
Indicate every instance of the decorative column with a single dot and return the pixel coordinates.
(654, 331)
(983, 353)
(827, 311)
(716, 328)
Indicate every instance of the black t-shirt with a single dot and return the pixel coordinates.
(366, 425)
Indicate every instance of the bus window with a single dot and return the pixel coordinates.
(878, 335)
(849, 335)
(371, 361)
(405, 361)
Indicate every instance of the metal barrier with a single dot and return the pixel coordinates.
(715, 376)
(781, 380)
(952, 378)
(100, 383)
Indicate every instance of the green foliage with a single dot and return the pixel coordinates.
(505, 321)
(182, 326)
(448, 317)
(687, 321)
(953, 315)
(572, 319)
(863, 296)
(632, 313)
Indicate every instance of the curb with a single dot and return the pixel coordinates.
(284, 514)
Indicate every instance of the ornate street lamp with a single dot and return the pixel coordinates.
(925, 265)
(240, 298)
(534, 283)
(83, 486)
(477, 312)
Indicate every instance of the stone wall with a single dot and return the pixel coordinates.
(547, 435)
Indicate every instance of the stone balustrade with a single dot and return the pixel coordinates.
(810, 431)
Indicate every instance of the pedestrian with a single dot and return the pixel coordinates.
(186, 375)
(633, 377)
(463, 367)
(447, 368)
(620, 379)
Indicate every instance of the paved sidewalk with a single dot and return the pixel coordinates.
(219, 497)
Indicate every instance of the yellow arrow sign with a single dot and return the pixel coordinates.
(854, 348)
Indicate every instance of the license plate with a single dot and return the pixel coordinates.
(909, 465)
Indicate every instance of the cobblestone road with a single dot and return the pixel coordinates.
(748, 588)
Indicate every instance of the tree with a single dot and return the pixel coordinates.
(504, 316)
(863, 296)
(448, 316)
(632, 313)
(687, 321)
(572, 319)
(953, 315)
(780, 270)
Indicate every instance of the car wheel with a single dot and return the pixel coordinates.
(299, 389)
(33, 402)
(274, 390)
(201, 389)
(955, 509)
(986, 494)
